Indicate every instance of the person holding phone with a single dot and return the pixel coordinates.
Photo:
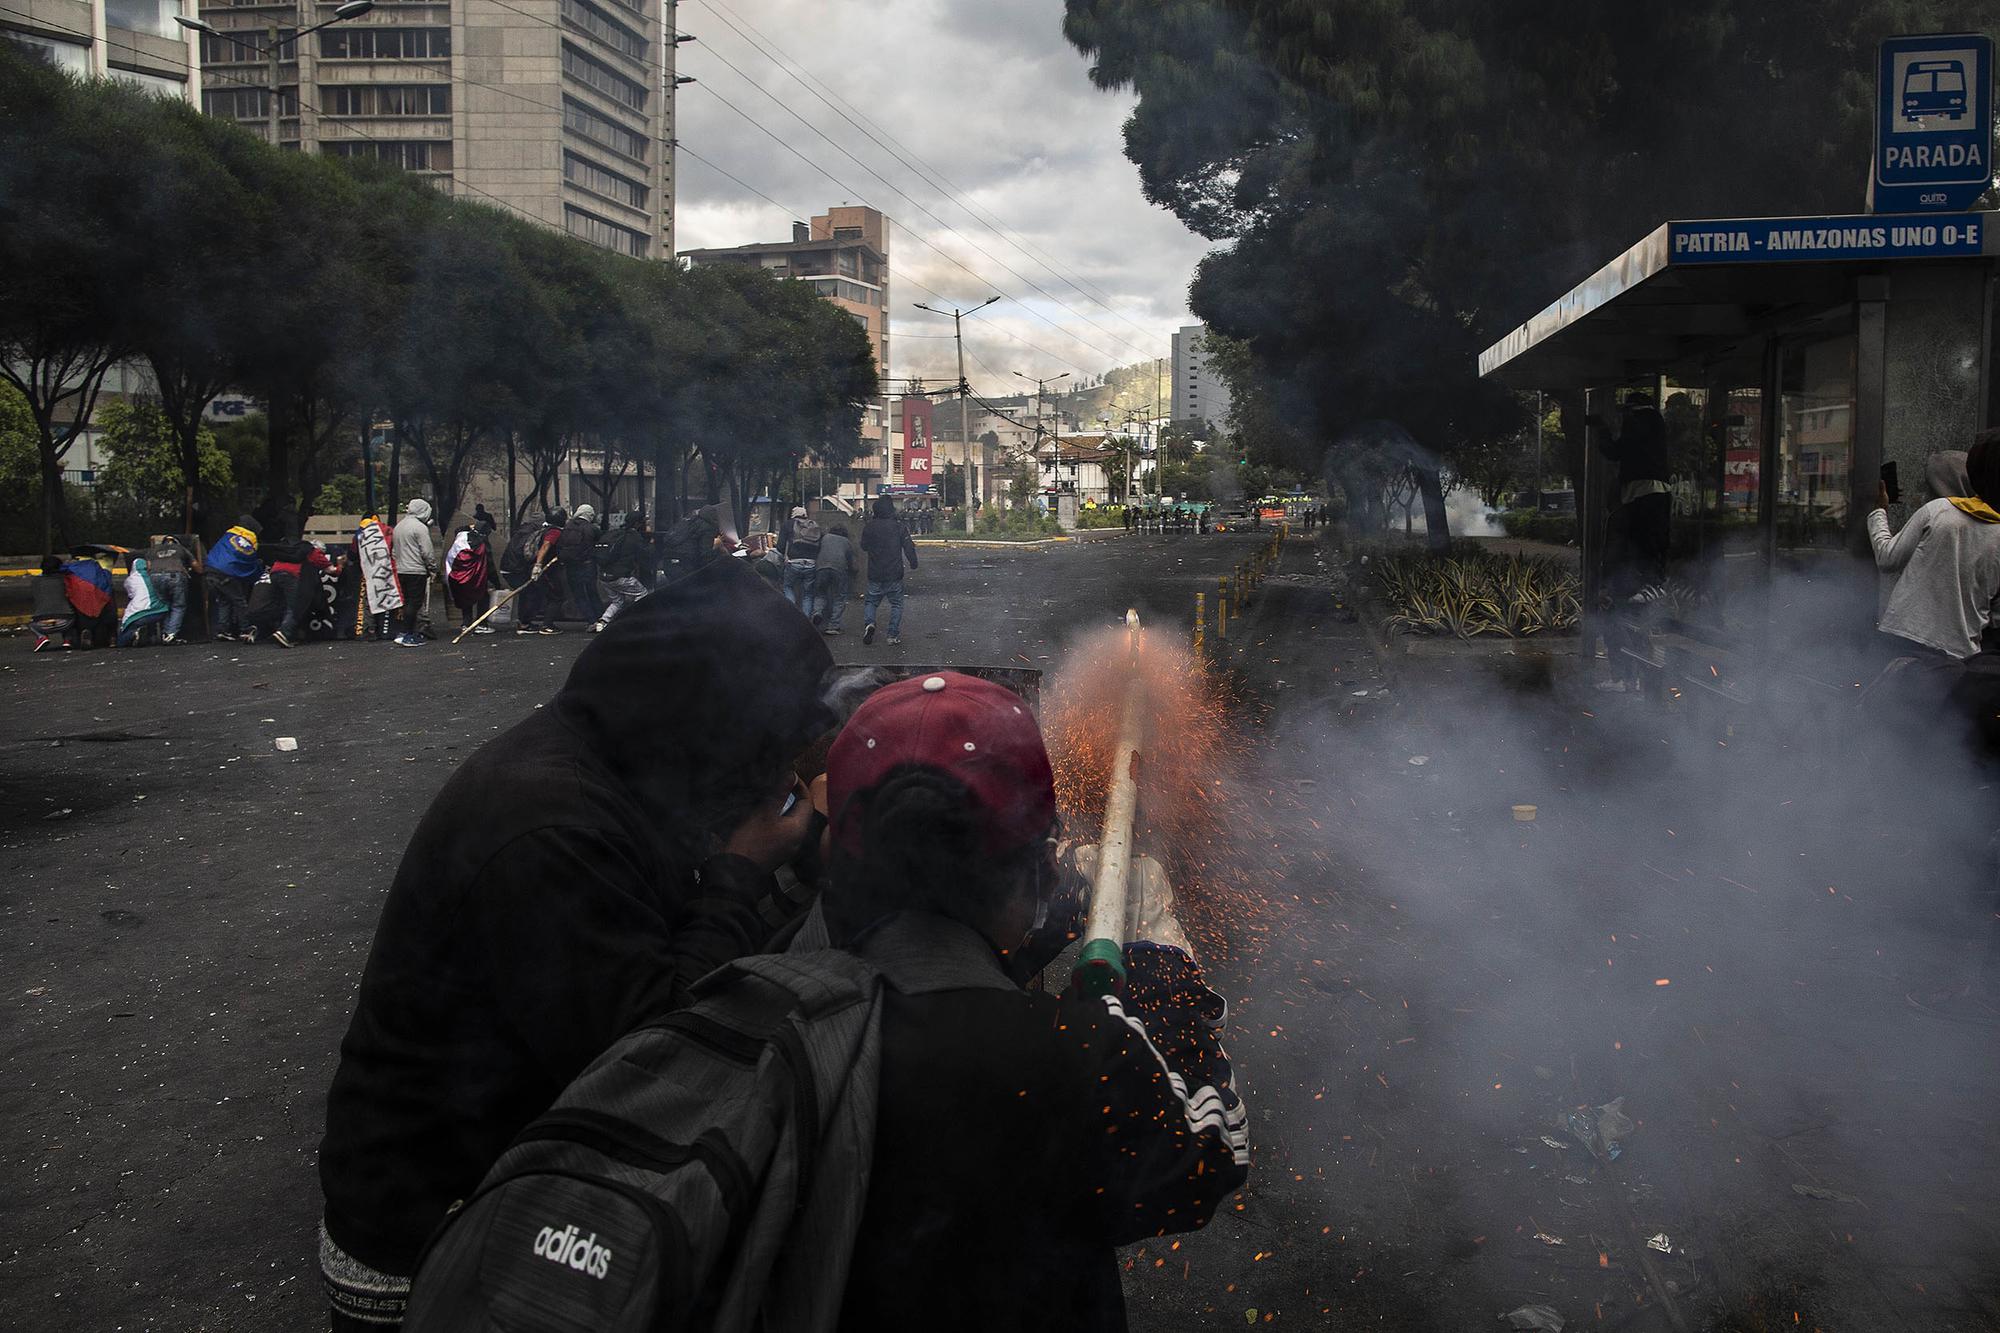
(1946, 558)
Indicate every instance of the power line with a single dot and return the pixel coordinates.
(301, 100)
(913, 202)
(919, 239)
(923, 170)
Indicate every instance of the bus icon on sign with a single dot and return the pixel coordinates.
(1934, 88)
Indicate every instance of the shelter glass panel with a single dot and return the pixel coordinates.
(1715, 434)
(1815, 443)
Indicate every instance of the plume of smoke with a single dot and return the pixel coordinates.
(1716, 914)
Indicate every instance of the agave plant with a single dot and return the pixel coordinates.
(1469, 592)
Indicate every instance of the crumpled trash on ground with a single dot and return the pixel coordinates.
(1602, 1129)
(1535, 1317)
(1660, 1243)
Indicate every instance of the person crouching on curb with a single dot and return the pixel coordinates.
(1020, 1136)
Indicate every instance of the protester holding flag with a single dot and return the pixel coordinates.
(231, 567)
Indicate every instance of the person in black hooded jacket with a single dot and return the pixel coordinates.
(572, 879)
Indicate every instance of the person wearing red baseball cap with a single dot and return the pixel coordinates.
(1020, 1136)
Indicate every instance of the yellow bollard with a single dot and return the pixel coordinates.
(1222, 611)
(1200, 619)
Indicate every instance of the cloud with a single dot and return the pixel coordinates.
(989, 102)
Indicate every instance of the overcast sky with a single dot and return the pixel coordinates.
(984, 94)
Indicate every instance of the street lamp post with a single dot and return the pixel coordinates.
(1039, 389)
(273, 51)
(964, 399)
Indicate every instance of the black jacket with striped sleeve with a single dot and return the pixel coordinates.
(1022, 1136)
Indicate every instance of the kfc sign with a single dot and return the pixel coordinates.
(917, 441)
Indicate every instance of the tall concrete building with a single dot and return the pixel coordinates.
(843, 254)
(136, 40)
(1199, 393)
(560, 110)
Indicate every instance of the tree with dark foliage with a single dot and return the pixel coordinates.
(1402, 181)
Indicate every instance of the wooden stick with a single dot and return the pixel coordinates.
(512, 593)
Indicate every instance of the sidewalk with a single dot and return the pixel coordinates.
(1426, 990)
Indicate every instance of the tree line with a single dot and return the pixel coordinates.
(342, 293)
(1399, 183)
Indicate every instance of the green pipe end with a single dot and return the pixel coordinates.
(1100, 966)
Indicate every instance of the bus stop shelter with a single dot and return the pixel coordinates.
(1791, 358)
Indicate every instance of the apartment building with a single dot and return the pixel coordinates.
(558, 110)
(843, 254)
(136, 40)
(1199, 393)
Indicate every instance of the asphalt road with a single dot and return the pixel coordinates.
(186, 909)
(1704, 919)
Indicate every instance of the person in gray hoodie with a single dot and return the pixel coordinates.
(1946, 558)
(416, 565)
(835, 576)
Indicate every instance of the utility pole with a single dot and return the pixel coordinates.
(964, 400)
(1538, 449)
(1039, 390)
(271, 81)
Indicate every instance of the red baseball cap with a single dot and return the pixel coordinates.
(970, 729)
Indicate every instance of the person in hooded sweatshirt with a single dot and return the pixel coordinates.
(229, 569)
(1946, 559)
(571, 880)
(578, 548)
(416, 565)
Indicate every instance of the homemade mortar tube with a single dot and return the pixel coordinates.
(1109, 922)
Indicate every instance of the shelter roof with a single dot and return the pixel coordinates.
(1694, 288)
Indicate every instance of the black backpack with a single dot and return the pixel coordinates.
(519, 556)
(690, 543)
(706, 1173)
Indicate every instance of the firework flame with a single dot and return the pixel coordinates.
(1192, 812)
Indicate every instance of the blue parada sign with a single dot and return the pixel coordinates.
(1933, 123)
(1806, 240)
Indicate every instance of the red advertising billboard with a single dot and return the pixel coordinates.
(917, 441)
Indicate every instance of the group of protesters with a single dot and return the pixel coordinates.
(272, 586)
(815, 566)
(719, 971)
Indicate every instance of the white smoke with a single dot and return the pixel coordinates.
(1470, 516)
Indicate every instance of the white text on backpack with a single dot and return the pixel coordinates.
(563, 1247)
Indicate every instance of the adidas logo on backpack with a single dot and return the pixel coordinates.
(719, 1152)
(562, 1247)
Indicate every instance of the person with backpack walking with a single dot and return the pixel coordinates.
(416, 566)
(835, 578)
(886, 541)
(572, 880)
(531, 551)
(578, 549)
(469, 573)
(629, 548)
